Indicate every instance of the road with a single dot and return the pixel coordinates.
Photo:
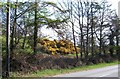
(109, 71)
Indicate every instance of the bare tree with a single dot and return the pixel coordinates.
(73, 29)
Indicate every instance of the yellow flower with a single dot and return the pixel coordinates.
(53, 53)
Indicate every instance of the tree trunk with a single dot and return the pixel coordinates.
(74, 41)
(87, 41)
(35, 28)
(81, 25)
(111, 37)
(73, 31)
(13, 34)
(92, 38)
(8, 41)
(23, 45)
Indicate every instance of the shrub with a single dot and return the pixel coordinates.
(55, 46)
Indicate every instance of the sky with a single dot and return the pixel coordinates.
(113, 2)
(53, 34)
(48, 32)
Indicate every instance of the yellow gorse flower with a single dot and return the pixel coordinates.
(55, 46)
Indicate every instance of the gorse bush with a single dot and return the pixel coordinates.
(55, 46)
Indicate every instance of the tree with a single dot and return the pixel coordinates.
(102, 21)
(73, 29)
(13, 34)
(87, 12)
(36, 26)
(114, 35)
(8, 40)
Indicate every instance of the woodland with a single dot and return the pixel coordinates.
(87, 33)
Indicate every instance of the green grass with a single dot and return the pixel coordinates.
(52, 72)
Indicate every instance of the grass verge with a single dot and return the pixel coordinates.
(52, 72)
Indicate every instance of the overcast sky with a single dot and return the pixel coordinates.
(114, 6)
(113, 2)
(50, 32)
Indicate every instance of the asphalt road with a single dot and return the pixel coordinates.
(109, 71)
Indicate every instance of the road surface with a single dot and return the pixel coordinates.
(109, 71)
